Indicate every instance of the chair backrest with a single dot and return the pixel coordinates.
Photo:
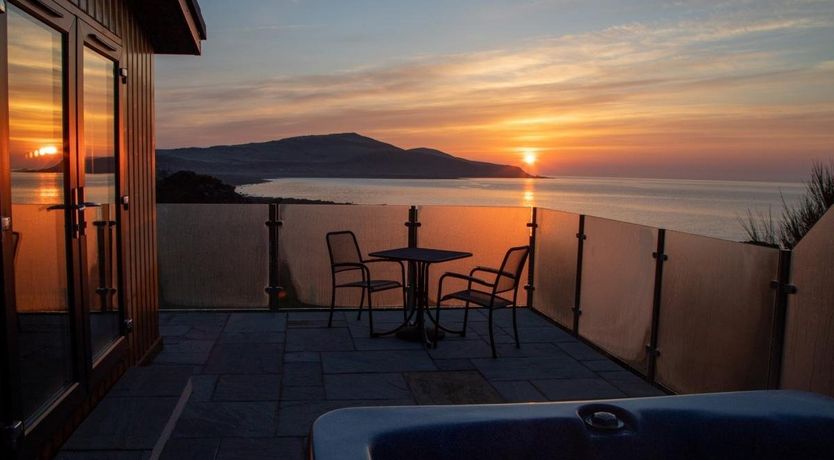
(343, 248)
(511, 268)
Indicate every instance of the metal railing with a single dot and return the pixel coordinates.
(689, 313)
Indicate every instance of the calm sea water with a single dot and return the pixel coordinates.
(48, 188)
(711, 208)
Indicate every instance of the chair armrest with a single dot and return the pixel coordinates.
(494, 271)
(398, 262)
(471, 279)
(347, 266)
(373, 261)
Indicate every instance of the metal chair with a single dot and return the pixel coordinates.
(345, 258)
(506, 279)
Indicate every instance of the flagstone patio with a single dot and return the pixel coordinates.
(259, 379)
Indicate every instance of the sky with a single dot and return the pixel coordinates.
(732, 89)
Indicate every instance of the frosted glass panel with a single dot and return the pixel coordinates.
(485, 232)
(617, 288)
(808, 362)
(556, 245)
(304, 260)
(716, 314)
(213, 255)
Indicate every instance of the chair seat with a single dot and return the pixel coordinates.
(376, 285)
(479, 298)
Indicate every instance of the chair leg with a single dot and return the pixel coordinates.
(332, 306)
(491, 335)
(370, 314)
(465, 319)
(515, 329)
(361, 304)
(405, 304)
(436, 325)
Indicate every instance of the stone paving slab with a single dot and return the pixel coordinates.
(543, 367)
(348, 362)
(256, 322)
(191, 449)
(366, 386)
(462, 387)
(580, 351)
(452, 349)
(302, 374)
(323, 339)
(261, 448)
(247, 387)
(252, 337)
(105, 455)
(304, 393)
(123, 424)
(245, 358)
(363, 342)
(151, 382)
(232, 419)
(577, 389)
(518, 391)
(302, 357)
(261, 379)
(203, 387)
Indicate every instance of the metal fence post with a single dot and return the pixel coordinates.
(660, 258)
(413, 224)
(577, 293)
(530, 287)
(273, 225)
(783, 287)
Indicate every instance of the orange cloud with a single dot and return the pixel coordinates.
(689, 95)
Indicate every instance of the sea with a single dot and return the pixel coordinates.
(712, 208)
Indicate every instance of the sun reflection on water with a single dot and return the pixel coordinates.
(529, 194)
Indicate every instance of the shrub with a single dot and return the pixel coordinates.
(797, 219)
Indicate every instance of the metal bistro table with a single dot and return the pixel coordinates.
(422, 258)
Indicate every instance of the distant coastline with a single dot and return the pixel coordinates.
(347, 155)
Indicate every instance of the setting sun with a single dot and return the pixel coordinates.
(530, 157)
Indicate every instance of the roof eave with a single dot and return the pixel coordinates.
(174, 26)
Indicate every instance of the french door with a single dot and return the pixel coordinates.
(60, 185)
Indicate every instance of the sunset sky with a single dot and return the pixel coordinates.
(694, 89)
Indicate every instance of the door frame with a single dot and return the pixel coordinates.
(88, 376)
(91, 37)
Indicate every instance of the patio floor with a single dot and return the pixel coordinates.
(261, 379)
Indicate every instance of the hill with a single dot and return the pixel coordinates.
(348, 155)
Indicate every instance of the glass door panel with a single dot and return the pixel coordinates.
(100, 195)
(39, 208)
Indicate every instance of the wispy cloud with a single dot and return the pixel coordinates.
(742, 87)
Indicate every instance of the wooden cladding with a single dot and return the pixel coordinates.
(107, 13)
(140, 274)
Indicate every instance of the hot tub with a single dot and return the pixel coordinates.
(759, 424)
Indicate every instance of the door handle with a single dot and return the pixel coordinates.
(88, 204)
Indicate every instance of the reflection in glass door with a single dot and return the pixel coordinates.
(100, 195)
(39, 208)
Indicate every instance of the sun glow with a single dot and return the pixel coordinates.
(529, 157)
(48, 150)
